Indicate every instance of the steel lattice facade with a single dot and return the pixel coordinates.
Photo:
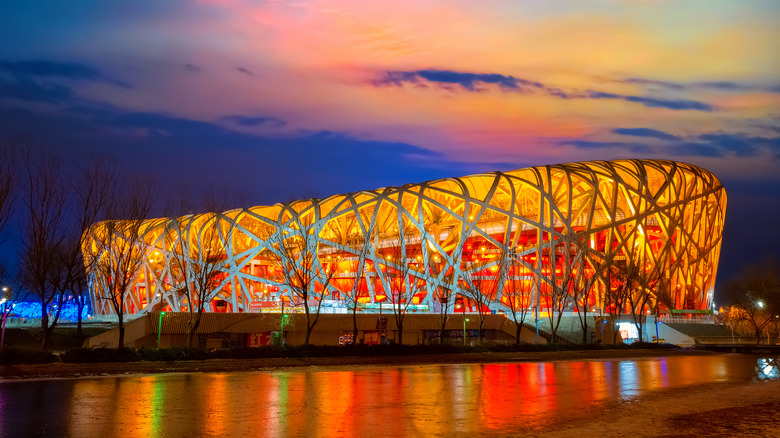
(452, 229)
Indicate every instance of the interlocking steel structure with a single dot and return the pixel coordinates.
(445, 233)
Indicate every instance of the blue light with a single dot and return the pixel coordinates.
(69, 312)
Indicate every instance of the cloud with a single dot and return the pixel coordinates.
(42, 81)
(201, 154)
(696, 149)
(720, 144)
(470, 82)
(244, 71)
(712, 144)
(644, 132)
(678, 105)
(25, 88)
(50, 69)
(467, 81)
(254, 121)
(664, 84)
(742, 145)
(192, 68)
(726, 86)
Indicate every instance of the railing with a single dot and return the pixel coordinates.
(736, 340)
(692, 319)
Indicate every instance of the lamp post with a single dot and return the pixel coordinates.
(281, 333)
(7, 291)
(656, 327)
(761, 306)
(159, 329)
(464, 330)
(603, 321)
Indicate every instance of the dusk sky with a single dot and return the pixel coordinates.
(283, 99)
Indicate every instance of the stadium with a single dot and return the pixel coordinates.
(523, 239)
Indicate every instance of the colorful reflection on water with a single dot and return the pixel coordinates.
(439, 400)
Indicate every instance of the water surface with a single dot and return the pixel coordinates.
(430, 400)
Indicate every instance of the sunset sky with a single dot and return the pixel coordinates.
(283, 99)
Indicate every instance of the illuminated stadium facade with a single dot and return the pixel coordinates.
(424, 245)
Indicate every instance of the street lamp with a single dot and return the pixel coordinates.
(159, 329)
(281, 334)
(464, 331)
(7, 295)
(603, 321)
(760, 304)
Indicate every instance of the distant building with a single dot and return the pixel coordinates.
(423, 246)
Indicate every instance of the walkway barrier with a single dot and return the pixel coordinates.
(736, 340)
(692, 319)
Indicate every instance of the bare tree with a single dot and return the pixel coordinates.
(297, 244)
(558, 265)
(116, 250)
(91, 197)
(60, 206)
(10, 295)
(360, 242)
(643, 287)
(618, 279)
(8, 174)
(482, 287)
(587, 271)
(444, 298)
(755, 295)
(7, 184)
(517, 290)
(197, 258)
(43, 235)
(401, 277)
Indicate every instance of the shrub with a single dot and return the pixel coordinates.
(173, 353)
(100, 355)
(16, 356)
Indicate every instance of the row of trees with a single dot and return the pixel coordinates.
(58, 205)
(572, 275)
(55, 204)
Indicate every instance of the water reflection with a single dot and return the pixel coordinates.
(768, 369)
(438, 400)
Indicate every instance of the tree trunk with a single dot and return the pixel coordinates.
(639, 329)
(121, 330)
(79, 308)
(615, 331)
(400, 340)
(79, 331)
(44, 327)
(354, 324)
(584, 323)
(309, 327)
(519, 328)
(585, 331)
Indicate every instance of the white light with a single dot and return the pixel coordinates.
(760, 304)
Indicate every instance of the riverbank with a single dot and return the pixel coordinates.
(72, 370)
(709, 410)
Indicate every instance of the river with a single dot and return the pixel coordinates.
(354, 401)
